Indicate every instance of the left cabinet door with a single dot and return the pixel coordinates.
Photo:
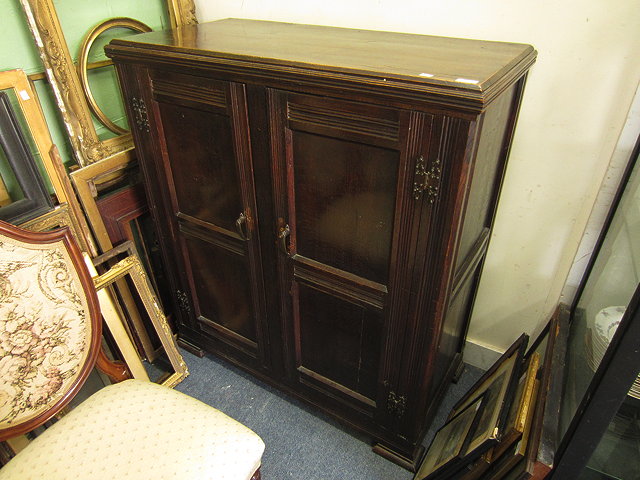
(206, 178)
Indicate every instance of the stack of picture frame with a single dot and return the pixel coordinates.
(94, 150)
(487, 430)
(24, 125)
(62, 209)
(106, 164)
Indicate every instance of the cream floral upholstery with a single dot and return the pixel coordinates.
(168, 436)
(50, 331)
(45, 331)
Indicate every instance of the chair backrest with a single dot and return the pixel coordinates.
(50, 326)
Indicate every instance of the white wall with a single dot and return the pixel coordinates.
(575, 105)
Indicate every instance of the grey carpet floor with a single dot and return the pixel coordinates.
(301, 443)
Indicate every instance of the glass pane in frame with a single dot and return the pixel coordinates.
(616, 455)
(610, 285)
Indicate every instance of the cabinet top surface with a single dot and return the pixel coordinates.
(463, 64)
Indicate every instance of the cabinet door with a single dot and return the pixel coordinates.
(209, 184)
(343, 183)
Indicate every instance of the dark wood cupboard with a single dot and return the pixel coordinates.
(324, 199)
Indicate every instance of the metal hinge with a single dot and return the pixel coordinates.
(396, 404)
(140, 113)
(430, 181)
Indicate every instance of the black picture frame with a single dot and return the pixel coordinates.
(497, 388)
(510, 365)
(618, 369)
(36, 199)
(447, 452)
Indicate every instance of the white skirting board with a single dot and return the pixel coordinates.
(480, 356)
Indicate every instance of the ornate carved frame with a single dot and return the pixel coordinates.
(59, 217)
(49, 38)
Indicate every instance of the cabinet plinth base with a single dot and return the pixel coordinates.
(410, 464)
(190, 347)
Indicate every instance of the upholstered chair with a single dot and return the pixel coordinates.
(50, 337)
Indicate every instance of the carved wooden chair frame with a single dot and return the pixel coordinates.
(62, 217)
(95, 356)
(62, 74)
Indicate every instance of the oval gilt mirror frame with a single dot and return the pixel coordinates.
(83, 58)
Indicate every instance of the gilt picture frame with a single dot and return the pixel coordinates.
(60, 216)
(132, 267)
(86, 182)
(61, 72)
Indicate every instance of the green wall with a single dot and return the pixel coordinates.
(77, 17)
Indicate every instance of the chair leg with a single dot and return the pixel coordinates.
(256, 476)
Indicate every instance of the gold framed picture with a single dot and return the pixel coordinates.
(46, 29)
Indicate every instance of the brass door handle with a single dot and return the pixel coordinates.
(241, 227)
(282, 239)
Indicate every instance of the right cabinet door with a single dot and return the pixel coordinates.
(347, 218)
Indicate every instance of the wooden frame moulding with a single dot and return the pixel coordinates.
(132, 266)
(62, 75)
(35, 198)
(60, 216)
(122, 213)
(18, 81)
(85, 181)
(5, 199)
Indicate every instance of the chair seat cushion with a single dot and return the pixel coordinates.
(140, 430)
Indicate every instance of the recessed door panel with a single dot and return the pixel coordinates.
(208, 167)
(339, 340)
(221, 286)
(345, 209)
(344, 203)
(205, 177)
